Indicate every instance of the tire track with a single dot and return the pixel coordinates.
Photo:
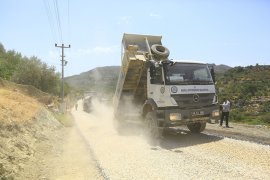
(101, 170)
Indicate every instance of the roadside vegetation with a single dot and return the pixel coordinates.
(65, 119)
(29, 71)
(248, 89)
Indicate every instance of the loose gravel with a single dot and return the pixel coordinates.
(182, 155)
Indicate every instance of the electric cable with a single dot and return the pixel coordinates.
(57, 14)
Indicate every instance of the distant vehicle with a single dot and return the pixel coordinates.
(88, 101)
(89, 94)
(163, 92)
(87, 104)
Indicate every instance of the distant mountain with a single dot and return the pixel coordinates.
(100, 78)
(106, 78)
(221, 69)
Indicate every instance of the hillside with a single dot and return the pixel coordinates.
(105, 78)
(245, 82)
(98, 79)
(25, 127)
(249, 90)
(221, 69)
(20, 92)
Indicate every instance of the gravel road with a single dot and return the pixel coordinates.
(182, 155)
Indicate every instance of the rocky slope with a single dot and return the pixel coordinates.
(25, 126)
(21, 142)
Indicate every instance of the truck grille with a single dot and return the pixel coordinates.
(193, 100)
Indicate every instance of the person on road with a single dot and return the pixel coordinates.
(76, 106)
(226, 105)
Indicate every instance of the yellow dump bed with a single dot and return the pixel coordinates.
(132, 78)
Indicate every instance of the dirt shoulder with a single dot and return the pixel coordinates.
(33, 144)
(254, 133)
(70, 159)
(44, 149)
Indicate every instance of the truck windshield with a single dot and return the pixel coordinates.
(187, 73)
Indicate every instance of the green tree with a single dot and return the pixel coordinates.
(2, 49)
(33, 72)
(8, 62)
(49, 81)
(29, 71)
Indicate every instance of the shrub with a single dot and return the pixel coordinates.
(266, 118)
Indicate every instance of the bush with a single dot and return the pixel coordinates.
(65, 119)
(265, 107)
(237, 116)
(266, 118)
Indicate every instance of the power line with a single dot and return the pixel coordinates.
(50, 19)
(68, 23)
(56, 10)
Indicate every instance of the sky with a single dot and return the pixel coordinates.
(230, 32)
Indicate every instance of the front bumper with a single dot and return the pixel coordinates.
(188, 116)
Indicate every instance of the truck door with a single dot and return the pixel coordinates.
(155, 85)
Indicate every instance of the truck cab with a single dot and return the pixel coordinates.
(182, 93)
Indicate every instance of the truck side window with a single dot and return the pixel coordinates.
(157, 76)
(201, 74)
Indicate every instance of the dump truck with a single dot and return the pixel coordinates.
(88, 101)
(162, 92)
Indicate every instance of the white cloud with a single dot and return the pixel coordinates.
(98, 50)
(111, 49)
(124, 20)
(53, 54)
(154, 15)
(83, 51)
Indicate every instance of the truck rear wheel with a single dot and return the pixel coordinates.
(153, 126)
(196, 127)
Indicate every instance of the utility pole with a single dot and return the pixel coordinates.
(64, 63)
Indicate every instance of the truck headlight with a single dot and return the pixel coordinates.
(215, 113)
(175, 116)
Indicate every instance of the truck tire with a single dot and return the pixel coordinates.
(196, 127)
(154, 129)
(160, 51)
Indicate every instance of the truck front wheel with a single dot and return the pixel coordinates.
(196, 127)
(153, 126)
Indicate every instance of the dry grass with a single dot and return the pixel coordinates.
(28, 90)
(16, 106)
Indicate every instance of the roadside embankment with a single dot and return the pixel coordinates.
(25, 126)
(21, 142)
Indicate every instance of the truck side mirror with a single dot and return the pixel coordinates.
(151, 64)
(152, 71)
(213, 74)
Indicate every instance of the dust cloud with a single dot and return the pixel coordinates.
(104, 113)
(101, 121)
